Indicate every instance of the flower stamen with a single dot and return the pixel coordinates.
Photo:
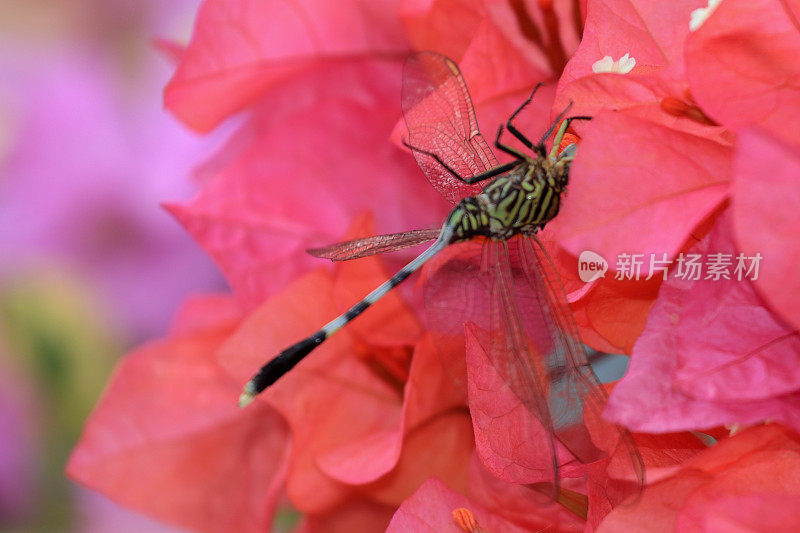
(700, 15)
(465, 519)
(607, 65)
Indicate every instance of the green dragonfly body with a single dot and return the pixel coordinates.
(512, 292)
(521, 200)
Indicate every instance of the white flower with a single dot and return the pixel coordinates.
(699, 16)
(624, 65)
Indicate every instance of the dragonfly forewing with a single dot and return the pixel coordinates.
(440, 119)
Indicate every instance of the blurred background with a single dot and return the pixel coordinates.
(89, 263)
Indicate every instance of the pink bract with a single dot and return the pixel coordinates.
(748, 482)
(316, 156)
(743, 68)
(377, 417)
(163, 452)
(635, 174)
(240, 49)
(711, 354)
(431, 508)
(367, 419)
(765, 195)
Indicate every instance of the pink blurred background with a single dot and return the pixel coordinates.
(89, 262)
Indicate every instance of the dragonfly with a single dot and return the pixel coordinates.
(506, 288)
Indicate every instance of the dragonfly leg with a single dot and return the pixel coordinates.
(434, 156)
(514, 131)
(553, 126)
(492, 172)
(507, 149)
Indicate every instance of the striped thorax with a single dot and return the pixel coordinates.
(522, 201)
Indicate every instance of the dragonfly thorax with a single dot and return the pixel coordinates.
(521, 201)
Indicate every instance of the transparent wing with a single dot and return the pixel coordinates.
(377, 244)
(440, 119)
(514, 349)
(575, 397)
(512, 293)
(473, 286)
